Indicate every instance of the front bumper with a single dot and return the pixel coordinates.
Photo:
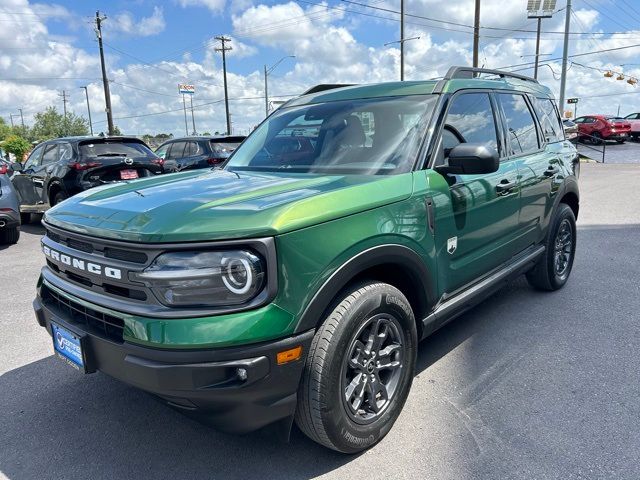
(203, 383)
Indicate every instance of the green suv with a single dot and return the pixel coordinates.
(295, 282)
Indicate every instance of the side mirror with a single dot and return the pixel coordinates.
(471, 159)
(16, 167)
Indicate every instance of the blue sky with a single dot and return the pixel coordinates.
(152, 46)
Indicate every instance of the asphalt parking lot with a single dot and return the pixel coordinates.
(527, 385)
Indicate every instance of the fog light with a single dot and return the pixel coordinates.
(241, 373)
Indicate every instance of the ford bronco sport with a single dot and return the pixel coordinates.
(295, 282)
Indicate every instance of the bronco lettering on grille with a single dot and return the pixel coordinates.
(94, 268)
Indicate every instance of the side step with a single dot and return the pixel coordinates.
(460, 303)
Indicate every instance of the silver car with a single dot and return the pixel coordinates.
(9, 212)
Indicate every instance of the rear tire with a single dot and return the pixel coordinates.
(25, 218)
(59, 197)
(359, 369)
(9, 235)
(554, 267)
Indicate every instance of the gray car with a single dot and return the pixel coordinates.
(9, 212)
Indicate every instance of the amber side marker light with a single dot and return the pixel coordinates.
(289, 355)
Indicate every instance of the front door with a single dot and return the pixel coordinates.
(39, 173)
(475, 228)
(23, 182)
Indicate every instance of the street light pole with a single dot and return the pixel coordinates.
(267, 71)
(565, 53)
(476, 34)
(21, 119)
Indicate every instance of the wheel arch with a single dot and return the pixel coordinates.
(55, 186)
(394, 264)
(570, 196)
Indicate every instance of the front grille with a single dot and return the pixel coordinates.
(93, 321)
(78, 245)
(125, 255)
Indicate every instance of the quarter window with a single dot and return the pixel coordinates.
(521, 128)
(65, 151)
(549, 119)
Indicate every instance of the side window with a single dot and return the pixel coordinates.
(470, 119)
(521, 128)
(549, 119)
(50, 154)
(192, 149)
(162, 151)
(579, 120)
(177, 150)
(65, 152)
(34, 158)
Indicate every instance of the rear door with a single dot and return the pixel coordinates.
(476, 234)
(536, 146)
(193, 155)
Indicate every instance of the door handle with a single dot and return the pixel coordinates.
(505, 186)
(551, 171)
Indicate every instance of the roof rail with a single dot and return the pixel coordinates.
(471, 72)
(326, 86)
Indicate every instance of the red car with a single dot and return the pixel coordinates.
(598, 128)
(634, 120)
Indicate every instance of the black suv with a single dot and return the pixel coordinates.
(190, 153)
(60, 168)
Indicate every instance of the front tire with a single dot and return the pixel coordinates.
(359, 369)
(554, 267)
(59, 197)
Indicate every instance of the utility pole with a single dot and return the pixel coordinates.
(21, 119)
(565, 54)
(402, 40)
(225, 49)
(86, 94)
(535, 68)
(476, 34)
(105, 81)
(64, 102)
(11, 117)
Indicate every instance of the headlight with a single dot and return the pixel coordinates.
(197, 279)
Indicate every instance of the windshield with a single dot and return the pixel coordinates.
(374, 136)
(114, 149)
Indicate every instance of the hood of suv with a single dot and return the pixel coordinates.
(218, 204)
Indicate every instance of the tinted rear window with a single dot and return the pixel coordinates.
(114, 149)
(224, 149)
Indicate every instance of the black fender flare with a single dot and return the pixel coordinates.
(395, 254)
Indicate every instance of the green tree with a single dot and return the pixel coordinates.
(16, 145)
(51, 124)
(116, 130)
(5, 130)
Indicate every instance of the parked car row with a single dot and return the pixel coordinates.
(60, 168)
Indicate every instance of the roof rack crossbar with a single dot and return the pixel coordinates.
(471, 72)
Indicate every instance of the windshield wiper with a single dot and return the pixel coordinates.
(111, 155)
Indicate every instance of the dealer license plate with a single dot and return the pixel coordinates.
(128, 174)
(68, 347)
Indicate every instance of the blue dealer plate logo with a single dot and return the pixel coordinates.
(67, 346)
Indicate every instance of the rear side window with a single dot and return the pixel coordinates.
(521, 128)
(114, 149)
(176, 151)
(470, 119)
(50, 154)
(65, 151)
(549, 119)
(192, 149)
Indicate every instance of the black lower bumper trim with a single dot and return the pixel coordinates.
(235, 389)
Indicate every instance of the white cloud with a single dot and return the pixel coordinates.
(215, 6)
(147, 26)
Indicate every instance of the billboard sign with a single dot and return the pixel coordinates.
(186, 89)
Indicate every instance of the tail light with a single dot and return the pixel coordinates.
(215, 161)
(3, 169)
(79, 166)
(158, 161)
